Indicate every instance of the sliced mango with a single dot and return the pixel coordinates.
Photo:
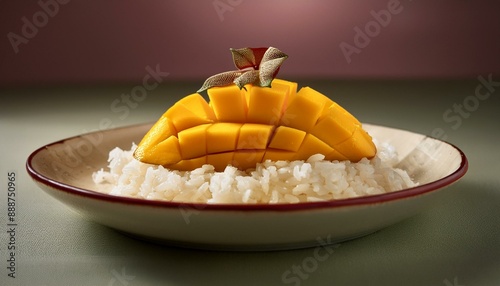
(254, 136)
(222, 137)
(278, 155)
(189, 164)
(196, 134)
(165, 151)
(252, 125)
(335, 155)
(311, 146)
(147, 150)
(333, 124)
(228, 103)
(220, 160)
(304, 109)
(190, 111)
(358, 146)
(287, 138)
(265, 105)
(247, 159)
(288, 88)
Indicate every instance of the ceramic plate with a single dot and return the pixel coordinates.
(64, 170)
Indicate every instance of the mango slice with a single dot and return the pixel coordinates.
(248, 126)
(254, 136)
(221, 137)
(278, 155)
(220, 160)
(190, 111)
(312, 145)
(246, 159)
(307, 101)
(229, 103)
(194, 134)
(287, 138)
(265, 105)
(150, 147)
(189, 164)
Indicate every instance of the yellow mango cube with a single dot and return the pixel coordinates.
(254, 136)
(189, 164)
(222, 137)
(159, 132)
(220, 160)
(265, 105)
(329, 125)
(318, 97)
(286, 138)
(358, 146)
(335, 155)
(304, 110)
(288, 88)
(164, 153)
(182, 118)
(193, 141)
(246, 159)
(335, 121)
(335, 108)
(190, 111)
(311, 146)
(229, 103)
(199, 106)
(278, 155)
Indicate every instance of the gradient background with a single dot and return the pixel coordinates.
(113, 41)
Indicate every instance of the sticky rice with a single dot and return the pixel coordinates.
(269, 183)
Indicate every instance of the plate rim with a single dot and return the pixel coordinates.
(348, 202)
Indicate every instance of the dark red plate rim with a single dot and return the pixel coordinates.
(366, 200)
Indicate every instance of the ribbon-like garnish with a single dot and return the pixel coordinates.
(257, 66)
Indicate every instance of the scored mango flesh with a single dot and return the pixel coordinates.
(248, 126)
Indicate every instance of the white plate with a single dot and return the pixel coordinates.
(64, 170)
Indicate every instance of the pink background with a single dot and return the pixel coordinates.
(113, 41)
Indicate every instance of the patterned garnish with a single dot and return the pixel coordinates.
(257, 66)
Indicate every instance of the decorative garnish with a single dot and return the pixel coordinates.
(257, 66)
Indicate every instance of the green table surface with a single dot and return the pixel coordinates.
(457, 242)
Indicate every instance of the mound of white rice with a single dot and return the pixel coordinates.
(269, 183)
